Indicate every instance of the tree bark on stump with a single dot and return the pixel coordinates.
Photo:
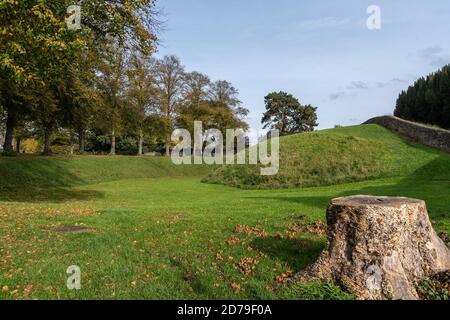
(379, 247)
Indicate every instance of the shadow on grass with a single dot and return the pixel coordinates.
(37, 172)
(189, 276)
(40, 179)
(430, 183)
(297, 253)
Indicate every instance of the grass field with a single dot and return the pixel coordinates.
(155, 231)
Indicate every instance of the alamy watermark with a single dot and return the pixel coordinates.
(208, 147)
(73, 21)
(374, 20)
(74, 279)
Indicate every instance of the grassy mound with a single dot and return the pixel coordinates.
(333, 156)
(63, 171)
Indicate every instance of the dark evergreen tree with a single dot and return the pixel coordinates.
(428, 100)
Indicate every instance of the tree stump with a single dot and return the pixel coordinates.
(379, 247)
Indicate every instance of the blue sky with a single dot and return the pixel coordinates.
(320, 51)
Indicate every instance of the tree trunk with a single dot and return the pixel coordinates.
(47, 141)
(379, 247)
(141, 142)
(81, 139)
(10, 125)
(113, 142)
(168, 146)
(169, 126)
(18, 141)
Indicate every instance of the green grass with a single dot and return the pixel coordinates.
(77, 170)
(157, 232)
(332, 156)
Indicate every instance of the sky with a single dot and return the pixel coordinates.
(322, 52)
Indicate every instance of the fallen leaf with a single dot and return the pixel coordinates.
(236, 287)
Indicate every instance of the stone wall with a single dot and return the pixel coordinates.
(416, 132)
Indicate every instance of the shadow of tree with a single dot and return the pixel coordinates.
(297, 253)
(38, 179)
(430, 183)
(37, 172)
(189, 275)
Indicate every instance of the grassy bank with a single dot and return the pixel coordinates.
(335, 156)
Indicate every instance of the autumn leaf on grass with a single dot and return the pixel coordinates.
(282, 278)
(317, 227)
(278, 266)
(219, 257)
(246, 265)
(248, 230)
(236, 287)
(28, 288)
(233, 241)
(239, 228)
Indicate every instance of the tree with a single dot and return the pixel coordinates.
(285, 113)
(169, 77)
(13, 105)
(46, 110)
(140, 95)
(111, 83)
(428, 100)
(2, 121)
(223, 93)
(98, 82)
(37, 48)
(196, 89)
(304, 119)
(81, 97)
(216, 105)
